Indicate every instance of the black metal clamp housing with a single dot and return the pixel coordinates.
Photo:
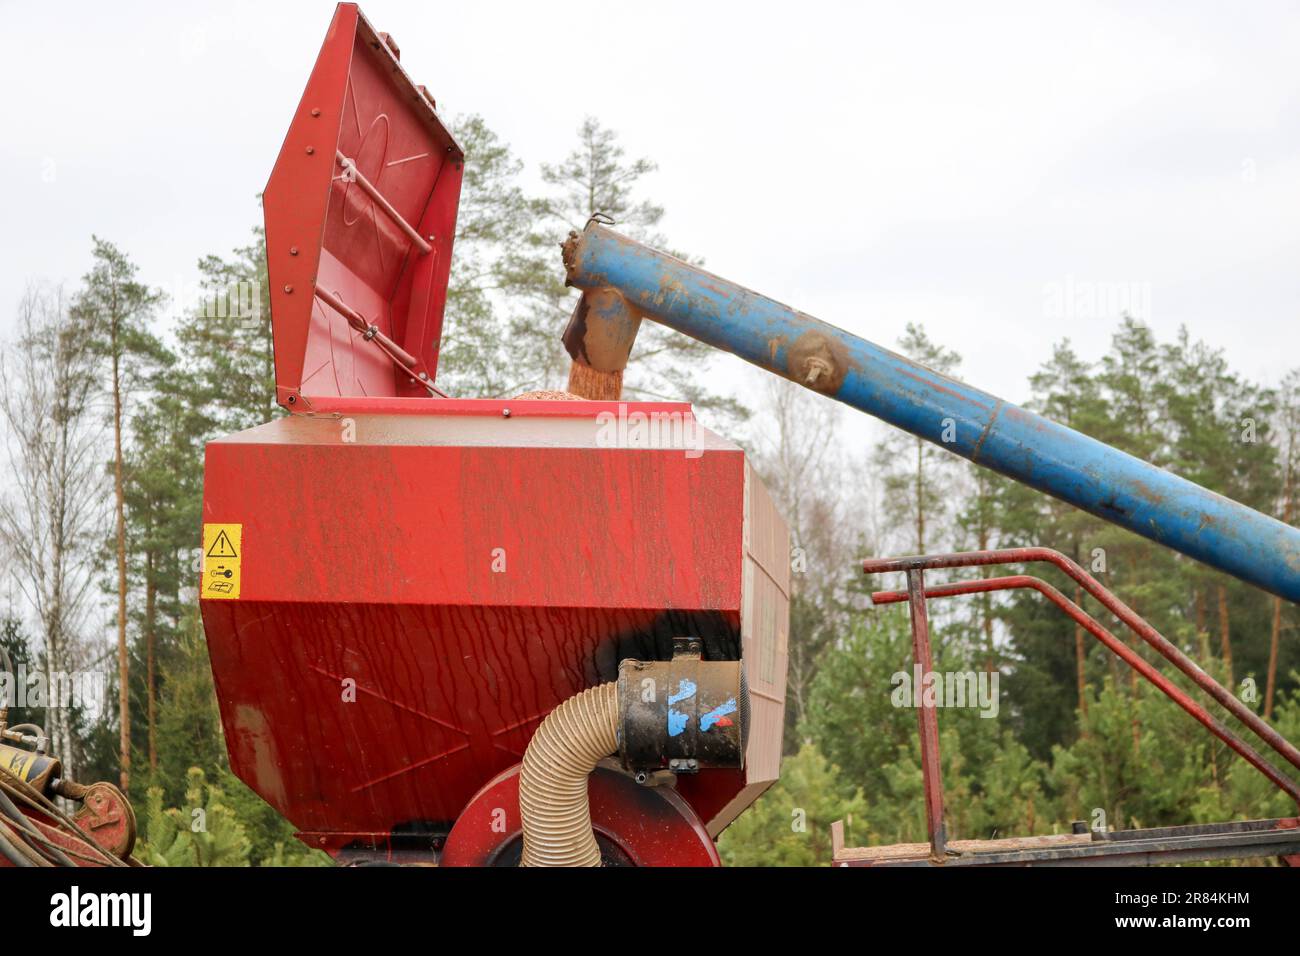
(683, 715)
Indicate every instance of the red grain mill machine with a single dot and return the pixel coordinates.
(553, 632)
(398, 587)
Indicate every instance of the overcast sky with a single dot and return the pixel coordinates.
(1006, 174)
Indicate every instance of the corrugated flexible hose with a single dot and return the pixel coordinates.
(573, 738)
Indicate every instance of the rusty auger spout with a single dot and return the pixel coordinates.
(623, 281)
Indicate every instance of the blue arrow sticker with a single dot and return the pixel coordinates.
(685, 691)
(717, 713)
(678, 719)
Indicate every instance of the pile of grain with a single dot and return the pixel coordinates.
(548, 396)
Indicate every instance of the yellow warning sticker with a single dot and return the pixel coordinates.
(223, 548)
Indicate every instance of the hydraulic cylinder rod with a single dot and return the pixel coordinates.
(1082, 471)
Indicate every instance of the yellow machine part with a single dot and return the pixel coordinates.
(33, 768)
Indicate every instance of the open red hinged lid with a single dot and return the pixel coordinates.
(360, 215)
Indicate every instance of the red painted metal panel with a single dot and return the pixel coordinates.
(577, 526)
(372, 561)
(365, 159)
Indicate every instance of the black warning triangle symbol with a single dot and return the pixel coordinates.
(222, 548)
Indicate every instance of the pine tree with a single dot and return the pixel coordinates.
(226, 344)
(1048, 652)
(918, 475)
(164, 500)
(221, 381)
(19, 653)
(115, 311)
(1219, 436)
(597, 177)
(203, 831)
(496, 248)
(1288, 430)
(849, 715)
(790, 824)
(189, 723)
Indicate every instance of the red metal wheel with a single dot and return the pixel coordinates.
(635, 825)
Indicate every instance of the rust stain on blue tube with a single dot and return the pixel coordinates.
(1059, 461)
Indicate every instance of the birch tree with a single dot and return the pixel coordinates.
(51, 512)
